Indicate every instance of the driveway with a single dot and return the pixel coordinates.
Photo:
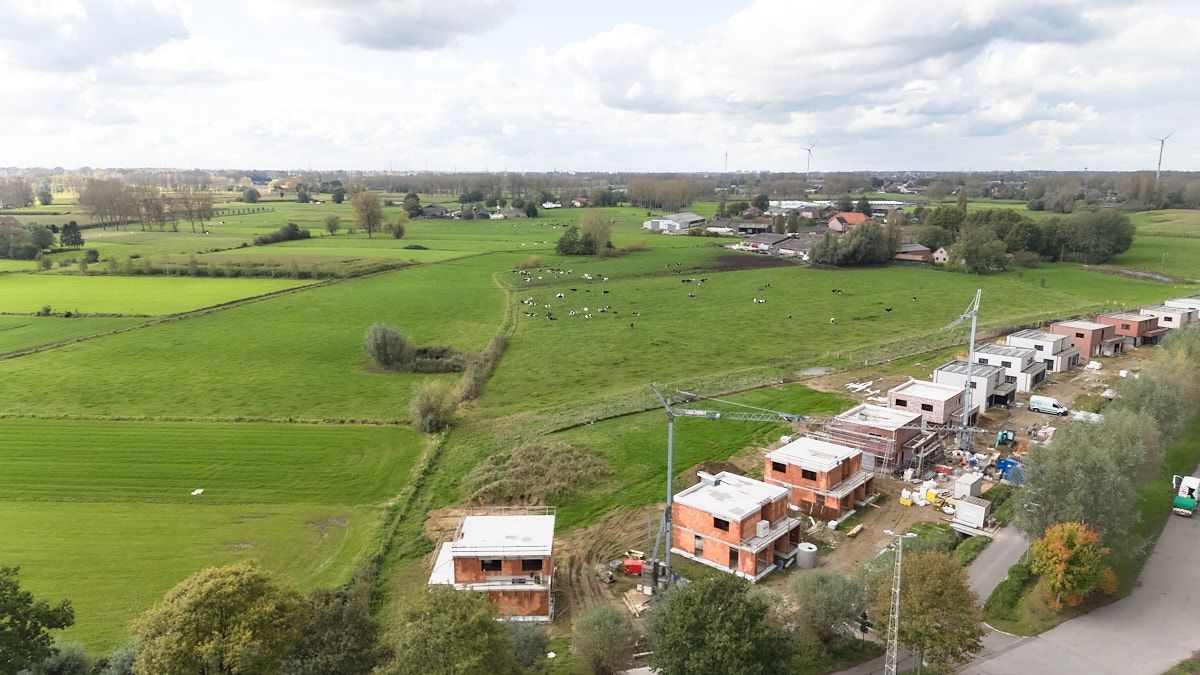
(990, 568)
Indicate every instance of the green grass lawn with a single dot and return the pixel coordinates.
(21, 332)
(101, 512)
(105, 294)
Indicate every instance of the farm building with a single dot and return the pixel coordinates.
(735, 524)
(1135, 329)
(794, 248)
(824, 479)
(913, 253)
(763, 243)
(988, 386)
(1090, 338)
(434, 211)
(1171, 317)
(1056, 351)
(938, 404)
(510, 558)
(941, 256)
(888, 438)
(844, 221)
(510, 212)
(1020, 365)
(675, 222)
(753, 228)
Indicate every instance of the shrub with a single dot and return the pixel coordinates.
(91, 255)
(603, 639)
(538, 472)
(529, 641)
(437, 359)
(970, 549)
(1007, 593)
(44, 263)
(386, 346)
(289, 232)
(532, 262)
(416, 247)
(433, 407)
(46, 310)
(639, 245)
(478, 371)
(1026, 259)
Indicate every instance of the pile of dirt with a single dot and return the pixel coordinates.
(750, 261)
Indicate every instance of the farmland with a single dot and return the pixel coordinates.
(300, 445)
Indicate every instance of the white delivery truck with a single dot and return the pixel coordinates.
(1045, 404)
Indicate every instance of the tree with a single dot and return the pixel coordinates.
(863, 206)
(45, 196)
(412, 204)
(70, 235)
(934, 237)
(981, 251)
(339, 636)
(716, 625)
(302, 195)
(449, 632)
(25, 622)
(250, 195)
(397, 229)
(69, 660)
(760, 202)
(867, 244)
(827, 250)
(596, 227)
(1024, 235)
(603, 639)
(386, 346)
(845, 204)
(332, 223)
(1070, 561)
(230, 620)
(531, 209)
(368, 210)
(529, 643)
(338, 195)
(948, 218)
(961, 202)
(15, 192)
(938, 616)
(1095, 236)
(40, 236)
(825, 601)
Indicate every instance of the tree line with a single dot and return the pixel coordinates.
(109, 201)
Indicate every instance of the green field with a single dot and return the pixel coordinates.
(102, 512)
(104, 294)
(99, 510)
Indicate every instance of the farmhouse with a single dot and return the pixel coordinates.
(735, 524)
(434, 211)
(888, 438)
(938, 404)
(1135, 329)
(1056, 351)
(913, 253)
(1020, 365)
(941, 256)
(824, 479)
(988, 387)
(675, 222)
(509, 558)
(1171, 317)
(1089, 337)
(844, 221)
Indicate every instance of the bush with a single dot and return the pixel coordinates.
(416, 247)
(387, 347)
(433, 407)
(970, 549)
(91, 255)
(70, 660)
(639, 245)
(478, 371)
(603, 638)
(289, 232)
(1007, 593)
(1026, 259)
(437, 359)
(529, 641)
(532, 262)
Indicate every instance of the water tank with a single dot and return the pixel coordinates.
(806, 555)
(762, 528)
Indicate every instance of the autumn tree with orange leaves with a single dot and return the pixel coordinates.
(1071, 563)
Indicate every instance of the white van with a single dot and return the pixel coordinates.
(1045, 404)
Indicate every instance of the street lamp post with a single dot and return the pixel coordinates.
(893, 629)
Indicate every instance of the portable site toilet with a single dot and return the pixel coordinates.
(972, 511)
(968, 485)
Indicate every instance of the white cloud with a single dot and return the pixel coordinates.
(404, 25)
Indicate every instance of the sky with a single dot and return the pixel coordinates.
(622, 85)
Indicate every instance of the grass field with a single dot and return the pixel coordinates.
(21, 332)
(105, 294)
(101, 512)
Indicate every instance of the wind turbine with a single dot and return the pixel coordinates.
(1161, 142)
(808, 165)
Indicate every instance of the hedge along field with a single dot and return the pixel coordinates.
(102, 512)
(323, 250)
(105, 294)
(721, 337)
(22, 332)
(296, 355)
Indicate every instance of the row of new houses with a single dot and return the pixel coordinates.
(746, 526)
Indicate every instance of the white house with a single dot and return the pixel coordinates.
(988, 386)
(1171, 317)
(1187, 303)
(941, 256)
(1021, 366)
(1056, 351)
(675, 222)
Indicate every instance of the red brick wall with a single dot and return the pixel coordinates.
(1137, 328)
(1089, 344)
(701, 522)
(520, 603)
(470, 571)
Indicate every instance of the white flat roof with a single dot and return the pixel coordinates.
(1163, 309)
(1193, 303)
(731, 497)
(813, 454)
(933, 391)
(443, 567)
(1004, 350)
(879, 416)
(1033, 334)
(1083, 325)
(507, 535)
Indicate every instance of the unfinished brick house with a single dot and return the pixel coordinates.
(735, 524)
(1171, 317)
(824, 480)
(508, 557)
(888, 438)
(938, 404)
(1135, 329)
(1090, 338)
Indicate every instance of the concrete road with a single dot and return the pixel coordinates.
(990, 568)
(1155, 627)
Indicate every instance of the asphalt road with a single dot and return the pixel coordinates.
(990, 568)
(1155, 627)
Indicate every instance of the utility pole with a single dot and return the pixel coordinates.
(893, 629)
(972, 313)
